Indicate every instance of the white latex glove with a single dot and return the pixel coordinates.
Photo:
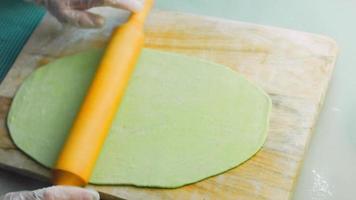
(75, 11)
(54, 193)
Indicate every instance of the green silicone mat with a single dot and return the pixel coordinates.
(18, 19)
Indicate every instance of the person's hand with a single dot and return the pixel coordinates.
(54, 193)
(75, 11)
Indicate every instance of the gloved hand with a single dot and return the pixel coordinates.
(54, 193)
(74, 11)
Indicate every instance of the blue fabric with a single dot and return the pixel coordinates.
(18, 19)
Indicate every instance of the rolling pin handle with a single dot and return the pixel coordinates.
(61, 177)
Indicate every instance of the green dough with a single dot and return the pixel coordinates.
(182, 119)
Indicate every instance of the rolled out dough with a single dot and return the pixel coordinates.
(182, 119)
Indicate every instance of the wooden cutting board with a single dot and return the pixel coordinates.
(293, 67)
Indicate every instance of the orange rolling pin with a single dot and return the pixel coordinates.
(92, 124)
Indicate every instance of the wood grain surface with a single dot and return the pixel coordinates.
(293, 67)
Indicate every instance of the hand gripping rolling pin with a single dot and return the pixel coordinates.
(93, 122)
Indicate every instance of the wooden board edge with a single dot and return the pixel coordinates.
(336, 51)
